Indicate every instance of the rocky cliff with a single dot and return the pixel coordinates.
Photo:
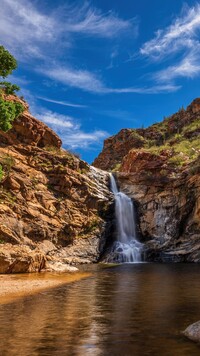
(53, 206)
(159, 167)
(56, 210)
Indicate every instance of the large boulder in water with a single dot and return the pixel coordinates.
(193, 332)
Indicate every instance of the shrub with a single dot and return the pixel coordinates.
(1, 173)
(116, 168)
(8, 197)
(7, 162)
(8, 112)
(9, 88)
(91, 225)
(177, 160)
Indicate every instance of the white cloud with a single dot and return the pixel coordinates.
(189, 67)
(90, 82)
(179, 40)
(69, 129)
(114, 54)
(21, 81)
(59, 102)
(156, 89)
(56, 119)
(180, 35)
(91, 21)
(81, 139)
(24, 30)
(29, 32)
(81, 79)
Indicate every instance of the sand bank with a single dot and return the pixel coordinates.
(19, 285)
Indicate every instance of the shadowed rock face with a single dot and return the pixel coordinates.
(159, 167)
(168, 215)
(48, 194)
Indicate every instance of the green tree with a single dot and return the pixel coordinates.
(9, 88)
(9, 110)
(7, 62)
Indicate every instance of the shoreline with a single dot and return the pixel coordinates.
(15, 286)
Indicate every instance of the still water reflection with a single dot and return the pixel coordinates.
(124, 310)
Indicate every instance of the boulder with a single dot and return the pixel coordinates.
(20, 259)
(192, 332)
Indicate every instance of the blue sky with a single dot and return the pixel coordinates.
(90, 68)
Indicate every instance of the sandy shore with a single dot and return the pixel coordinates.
(19, 285)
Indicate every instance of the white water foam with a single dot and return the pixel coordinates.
(126, 248)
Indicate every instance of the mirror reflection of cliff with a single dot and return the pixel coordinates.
(125, 310)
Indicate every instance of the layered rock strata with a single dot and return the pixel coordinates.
(168, 215)
(47, 195)
(159, 168)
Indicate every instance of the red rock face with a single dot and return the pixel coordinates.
(164, 184)
(118, 146)
(46, 193)
(28, 130)
(195, 106)
(137, 162)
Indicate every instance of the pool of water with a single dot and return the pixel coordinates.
(133, 309)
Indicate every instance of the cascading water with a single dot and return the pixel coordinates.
(126, 248)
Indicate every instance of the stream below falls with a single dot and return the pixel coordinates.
(129, 309)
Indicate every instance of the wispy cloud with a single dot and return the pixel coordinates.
(28, 32)
(24, 30)
(90, 82)
(156, 89)
(114, 54)
(56, 119)
(179, 35)
(81, 79)
(189, 67)
(179, 40)
(91, 21)
(60, 102)
(84, 140)
(69, 129)
(21, 81)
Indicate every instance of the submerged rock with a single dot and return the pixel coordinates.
(193, 332)
(59, 267)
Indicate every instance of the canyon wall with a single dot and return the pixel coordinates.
(54, 207)
(57, 211)
(159, 168)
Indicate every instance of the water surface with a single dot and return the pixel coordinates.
(133, 309)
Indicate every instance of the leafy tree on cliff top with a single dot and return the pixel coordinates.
(7, 62)
(9, 110)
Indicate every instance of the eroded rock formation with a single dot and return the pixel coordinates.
(159, 168)
(47, 193)
(56, 210)
(168, 215)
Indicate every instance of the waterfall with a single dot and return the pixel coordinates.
(126, 248)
